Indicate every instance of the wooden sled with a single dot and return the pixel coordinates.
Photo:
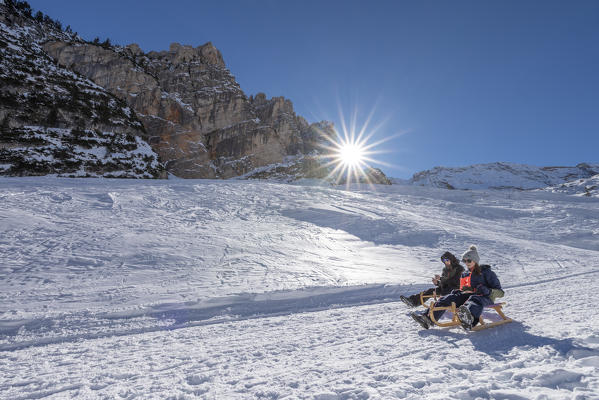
(481, 323)
(424, 298)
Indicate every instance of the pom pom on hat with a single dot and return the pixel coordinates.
(471, 254)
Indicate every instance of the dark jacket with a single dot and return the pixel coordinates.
(484, 282)
(450, 278)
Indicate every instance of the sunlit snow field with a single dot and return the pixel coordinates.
(237, 289)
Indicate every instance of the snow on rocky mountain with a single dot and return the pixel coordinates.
(502, 176)
(55, 121)
(311, 167)
(579, 187)
(244, 289)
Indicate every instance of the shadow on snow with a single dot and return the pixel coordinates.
(498, 341)
(163, 317)
(376, 230)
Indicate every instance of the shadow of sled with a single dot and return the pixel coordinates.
(503, 339)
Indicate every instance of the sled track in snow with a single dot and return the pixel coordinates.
(559, 278)
(19, 334)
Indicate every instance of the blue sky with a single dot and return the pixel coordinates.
(464, 82)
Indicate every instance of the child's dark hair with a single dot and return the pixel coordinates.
(452, 258)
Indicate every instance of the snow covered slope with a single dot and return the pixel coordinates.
(502, 176)
(244, 289)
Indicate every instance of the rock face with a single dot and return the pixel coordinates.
(54, 121)
(91, 101)
(198, 119)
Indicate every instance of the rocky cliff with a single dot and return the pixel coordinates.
(198, 119)
(55, 121)
(183, 102)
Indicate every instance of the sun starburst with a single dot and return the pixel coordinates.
(348, 153)
(351, 154)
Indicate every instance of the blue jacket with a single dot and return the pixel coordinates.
(484, 282)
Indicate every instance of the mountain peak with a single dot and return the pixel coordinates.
(180, 54)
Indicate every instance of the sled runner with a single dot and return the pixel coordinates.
(481, 323)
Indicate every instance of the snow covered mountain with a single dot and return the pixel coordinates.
(503, 176)
(55, 121)
(243, 289)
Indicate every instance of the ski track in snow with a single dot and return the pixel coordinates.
(210, 289)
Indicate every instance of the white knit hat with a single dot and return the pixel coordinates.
(471, 254)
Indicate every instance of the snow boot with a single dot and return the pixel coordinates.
(408, 301)
(422, 319)
(465, 317)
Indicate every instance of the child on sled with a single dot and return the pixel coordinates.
(444, 284)
(477, 287)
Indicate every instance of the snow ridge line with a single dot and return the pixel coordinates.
(17, 335)
(559, 278)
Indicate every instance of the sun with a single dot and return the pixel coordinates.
(348, 153)
(351, 154)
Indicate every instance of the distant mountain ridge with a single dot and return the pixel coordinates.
(582, 178)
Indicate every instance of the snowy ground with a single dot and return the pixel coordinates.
(233, 290)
